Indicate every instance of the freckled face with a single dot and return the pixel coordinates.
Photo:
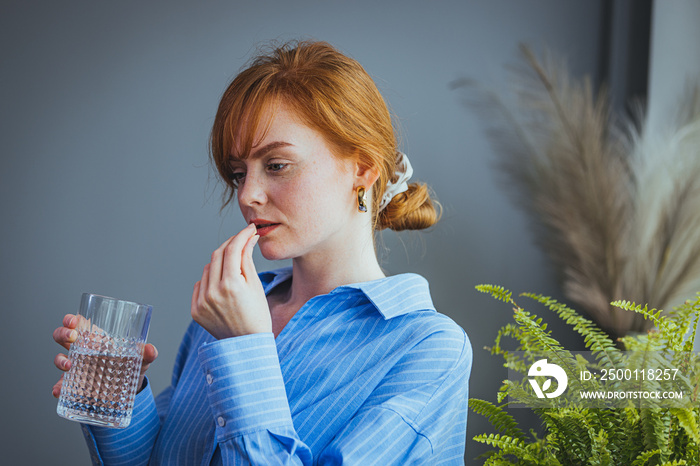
(294, 183)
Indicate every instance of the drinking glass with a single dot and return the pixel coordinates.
(105, 360)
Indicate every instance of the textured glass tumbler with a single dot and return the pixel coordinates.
(105, 361)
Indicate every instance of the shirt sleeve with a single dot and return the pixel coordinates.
(134, 444)
(249, 403)
(129, 446)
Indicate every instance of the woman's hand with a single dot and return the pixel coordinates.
(229, 300)
(67, 334)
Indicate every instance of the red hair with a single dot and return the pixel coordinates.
(332, 94)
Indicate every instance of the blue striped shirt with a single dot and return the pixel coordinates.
(367, 374)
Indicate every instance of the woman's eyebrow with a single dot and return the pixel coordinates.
(269, 147)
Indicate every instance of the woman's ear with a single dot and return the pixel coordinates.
(365, 176)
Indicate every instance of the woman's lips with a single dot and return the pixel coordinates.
(264, 229)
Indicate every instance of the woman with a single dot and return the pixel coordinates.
(328, 361)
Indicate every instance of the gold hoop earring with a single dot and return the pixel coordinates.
(361, 199)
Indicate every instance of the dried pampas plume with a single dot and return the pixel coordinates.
(663, 263)
(616, 208)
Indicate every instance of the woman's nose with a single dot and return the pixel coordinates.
(252, 190)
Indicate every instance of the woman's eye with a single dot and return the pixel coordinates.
(275, 167)
(237, 177)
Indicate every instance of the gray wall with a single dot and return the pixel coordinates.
(105, 187)
(675, 57)
(674, 64)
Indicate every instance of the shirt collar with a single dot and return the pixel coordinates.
(391, 296)
(272, 278)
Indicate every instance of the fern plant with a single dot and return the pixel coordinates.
(639, 432)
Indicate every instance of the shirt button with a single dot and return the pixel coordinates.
(210, 379)
(221, 421)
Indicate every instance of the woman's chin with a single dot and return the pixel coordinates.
(273, 254)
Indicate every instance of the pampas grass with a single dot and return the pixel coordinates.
(664, 245)
(616, 207)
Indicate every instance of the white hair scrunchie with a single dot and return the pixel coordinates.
(404, 170)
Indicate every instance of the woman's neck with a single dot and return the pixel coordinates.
(321, 272)
(314, 275)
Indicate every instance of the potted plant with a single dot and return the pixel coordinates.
(631, 431)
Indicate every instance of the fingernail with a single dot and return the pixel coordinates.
(255, 239)
(73, 335)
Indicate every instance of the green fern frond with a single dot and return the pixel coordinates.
(533, 326)
(694, 307)
(498, 292)
(498, 418)
(651, 341)
(613, 423)
(668, 328)
(498, 459)
(686, 419)
(686, 317)
(644, 457)
(574, 431)
(594, 338)
(518, 394)
(600, 453)
(512, 361)
(508, 330)
(541, 450)
(649, 433)
(503, 391)
(650, 314)
(508, 445)
(636, 435)
(656, 429)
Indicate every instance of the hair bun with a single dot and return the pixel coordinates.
(410, 210)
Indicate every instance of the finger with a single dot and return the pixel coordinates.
(247, 264)
(62, 362)
(204, 286)
(234, 252)
(65, 336)
(195, 298)
(75, 321)
(70, 321)
(150, 353)
(217, 261)
(56, 390)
